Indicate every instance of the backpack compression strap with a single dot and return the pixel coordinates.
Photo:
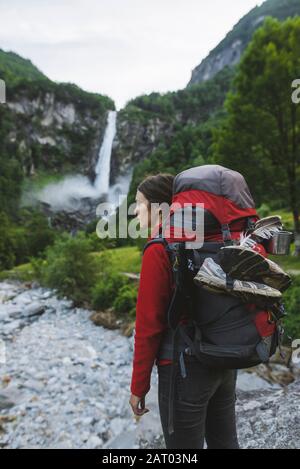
(226, 233)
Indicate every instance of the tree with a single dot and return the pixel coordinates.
(7, 256)
(261, 132)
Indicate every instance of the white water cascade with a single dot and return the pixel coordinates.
(102, 169)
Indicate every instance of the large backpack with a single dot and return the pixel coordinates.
(222, 331)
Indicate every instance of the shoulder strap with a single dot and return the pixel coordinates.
(175, 251)
(155, 241)
(170, 248)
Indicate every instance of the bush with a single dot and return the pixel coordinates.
(264, 210)
(7, 256)
(106, 290)
(126, 300)
(39, 233)
(31, 236)
(68, 267)
(20, 241)
(292, 306)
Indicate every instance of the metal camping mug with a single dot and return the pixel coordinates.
(280, 243)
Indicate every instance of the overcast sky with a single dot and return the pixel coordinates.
(121, 48)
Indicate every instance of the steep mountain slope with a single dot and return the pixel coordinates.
(229, 51)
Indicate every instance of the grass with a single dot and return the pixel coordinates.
(287, 262)
(124, 259)
(23, 272)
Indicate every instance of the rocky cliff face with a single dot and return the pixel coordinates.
(50, 133)
(229, 51)
(135, 140)
(210, 66)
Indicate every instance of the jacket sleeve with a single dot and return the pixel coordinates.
(154, 295)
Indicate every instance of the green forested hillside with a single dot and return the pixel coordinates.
(194, 104)
(14, 68)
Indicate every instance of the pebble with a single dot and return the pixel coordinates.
(65, 369)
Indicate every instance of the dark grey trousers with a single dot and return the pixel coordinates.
(204, 407)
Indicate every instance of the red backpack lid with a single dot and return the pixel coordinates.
(225, 197)
(224, 192)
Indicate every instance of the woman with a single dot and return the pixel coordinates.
(205, 399)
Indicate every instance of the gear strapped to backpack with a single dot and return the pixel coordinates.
(222, 330)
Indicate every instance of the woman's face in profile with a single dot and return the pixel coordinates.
(142, 210)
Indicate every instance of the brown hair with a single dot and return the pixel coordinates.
(157, 188)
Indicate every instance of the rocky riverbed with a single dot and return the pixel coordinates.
(65, 383)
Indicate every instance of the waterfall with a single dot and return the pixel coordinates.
(120, 188)
(102, 169)
(76, 193)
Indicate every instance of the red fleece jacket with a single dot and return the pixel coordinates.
(154, 295)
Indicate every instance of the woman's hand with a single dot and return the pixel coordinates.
(138, 405)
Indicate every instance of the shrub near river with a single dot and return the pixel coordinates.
(92, 278)
(68, 267)
(292, 305)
